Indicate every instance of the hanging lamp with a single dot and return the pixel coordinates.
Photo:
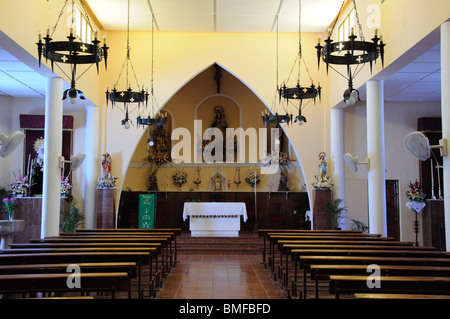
(72, 52)
(351, 53)
(128, 96)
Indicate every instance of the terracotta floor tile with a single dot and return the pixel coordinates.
(224, 276)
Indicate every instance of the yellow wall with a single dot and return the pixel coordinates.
(196, 101)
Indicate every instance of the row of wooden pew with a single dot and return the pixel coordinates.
(364, 266)
(105, 261)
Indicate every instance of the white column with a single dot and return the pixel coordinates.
(376, 153)
(445, 113)
(91, 143)
(52, 152)
(337, 155)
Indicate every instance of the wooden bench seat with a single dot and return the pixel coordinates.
(166, 254)
(305, 262)
(323, 272)
(140, 258)
(340, 284)
(57, 282)
(400, 296)
(176, 232)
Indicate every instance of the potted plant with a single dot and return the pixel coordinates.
(71, 218)
(335, 211)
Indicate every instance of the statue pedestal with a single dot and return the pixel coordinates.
(106, 212)
(321, 220)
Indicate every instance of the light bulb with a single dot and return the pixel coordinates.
(73, 100)
(127, 125)
(151, 143)
(350, 100)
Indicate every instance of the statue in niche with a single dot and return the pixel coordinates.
(218, 183)
(219, 121)
(159, 155)
(160, 139)
(37, 167)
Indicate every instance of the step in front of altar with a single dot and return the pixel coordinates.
(250, 244)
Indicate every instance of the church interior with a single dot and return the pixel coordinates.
(222, 149)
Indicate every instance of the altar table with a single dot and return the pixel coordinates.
(214, 219)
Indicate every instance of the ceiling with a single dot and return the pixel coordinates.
(216, 15)
(417, 81)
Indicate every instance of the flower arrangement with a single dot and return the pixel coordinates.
(10, 205)
(179, 178)
(65, 186)
(107, 181)
(159, 158)
(252, 177)
(322, 182)
(415, 192)
(20, 185)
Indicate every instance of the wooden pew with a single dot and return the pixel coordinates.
(399, 296)
(287, 251)
(305, 262)
(275, 238)
(340, 284)
(265, 231)
(300, 253)
(57, 282)
(323, 272)
(175, 231)
(139, 258)
(164, 241)
(129, 267)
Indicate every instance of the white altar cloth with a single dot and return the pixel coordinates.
(214, 219)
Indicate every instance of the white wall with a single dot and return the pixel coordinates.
(400, 119)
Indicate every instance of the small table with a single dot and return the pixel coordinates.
(7, 229)
(214, 219)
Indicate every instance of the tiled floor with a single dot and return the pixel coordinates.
(220, 276)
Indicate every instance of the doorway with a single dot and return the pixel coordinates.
(392, 209)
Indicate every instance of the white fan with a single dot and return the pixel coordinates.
(75, 160)
(352, 162)
(419, 145)
(9, 143)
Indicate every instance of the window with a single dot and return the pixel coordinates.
(83, 29)
(346, 26)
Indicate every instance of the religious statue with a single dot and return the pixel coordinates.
(219, 121)
(282, 185)
(107, 180)
(218, 183)
(106, 164)
(37, 167)
(322, 180)
(160, 140)
(322, 164)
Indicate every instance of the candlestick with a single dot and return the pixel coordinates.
(432, 180)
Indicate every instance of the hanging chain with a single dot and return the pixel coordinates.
(361, 35)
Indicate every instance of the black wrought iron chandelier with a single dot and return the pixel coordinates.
(158, 119)
(351, 53)
(297, 93)
(72, 52)
(128, 96)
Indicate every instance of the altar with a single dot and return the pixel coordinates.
(214, 218)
